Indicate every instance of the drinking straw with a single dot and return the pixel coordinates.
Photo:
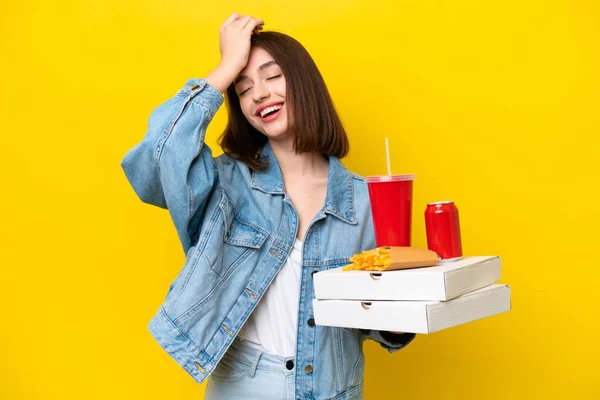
(387, 156)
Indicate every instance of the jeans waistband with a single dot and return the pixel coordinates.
(256, 359)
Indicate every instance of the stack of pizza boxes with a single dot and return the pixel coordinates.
(411, 297)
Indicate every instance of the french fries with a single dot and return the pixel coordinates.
(378, 259)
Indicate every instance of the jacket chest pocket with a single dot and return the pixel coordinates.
(244, 234)
(241, 241)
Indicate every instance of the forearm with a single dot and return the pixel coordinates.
(221, 77)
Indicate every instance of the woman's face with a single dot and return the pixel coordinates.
(261, 89)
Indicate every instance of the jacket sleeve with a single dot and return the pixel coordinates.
(392, 342)
(171, 167)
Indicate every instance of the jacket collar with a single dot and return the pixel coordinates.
(339, 201)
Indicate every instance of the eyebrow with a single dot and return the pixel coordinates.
(262, 67)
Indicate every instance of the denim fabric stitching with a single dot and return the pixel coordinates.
(348, 392)
(191, 198)
(243, 374)
(194, 262)
(185, 316)
(174, 324)
(327, 263)
(337, 335)
(167, 133)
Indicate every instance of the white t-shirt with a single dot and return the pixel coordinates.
(272, 326)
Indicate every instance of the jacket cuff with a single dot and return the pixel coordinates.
(211, 98)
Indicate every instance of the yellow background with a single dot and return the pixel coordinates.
(494, 104)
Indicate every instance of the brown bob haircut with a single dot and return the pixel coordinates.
(311, 113)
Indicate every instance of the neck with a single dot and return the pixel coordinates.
(297, 166)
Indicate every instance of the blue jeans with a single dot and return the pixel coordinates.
(248, 373)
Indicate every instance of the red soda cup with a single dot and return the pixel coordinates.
(391, 207)
(443, 230)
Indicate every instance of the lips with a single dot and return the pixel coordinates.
(271, 116)
(265, 106)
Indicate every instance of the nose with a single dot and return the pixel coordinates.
(260, 92)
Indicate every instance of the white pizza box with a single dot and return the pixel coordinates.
(441, 282)
(413, 316)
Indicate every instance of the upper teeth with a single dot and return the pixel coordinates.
(267, 110)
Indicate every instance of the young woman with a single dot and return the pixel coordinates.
(256, 223)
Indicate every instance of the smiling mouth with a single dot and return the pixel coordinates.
(265, 112)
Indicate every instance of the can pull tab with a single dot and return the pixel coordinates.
(365, 304)
(375, 276)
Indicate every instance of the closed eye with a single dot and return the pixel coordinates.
(272, 77)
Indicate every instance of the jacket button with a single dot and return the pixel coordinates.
(308, 369)
(311, 322)
(202, 370)
(289, 365)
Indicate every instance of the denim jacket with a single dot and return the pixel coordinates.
(237, 227)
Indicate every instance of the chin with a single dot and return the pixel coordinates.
(275, 132)
(278, 136)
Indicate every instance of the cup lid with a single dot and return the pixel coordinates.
(390, 178)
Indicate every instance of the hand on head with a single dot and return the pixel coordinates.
(234, 39)
(234, 45)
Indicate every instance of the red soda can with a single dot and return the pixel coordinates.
(443, 230)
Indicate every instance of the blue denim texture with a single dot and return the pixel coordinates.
(247, 373)
(237, 227)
